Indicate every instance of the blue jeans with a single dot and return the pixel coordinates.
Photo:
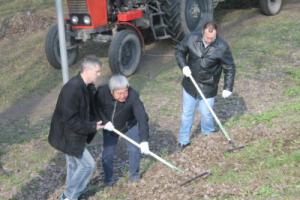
(110, 141)
(79, 173)
(187, 117)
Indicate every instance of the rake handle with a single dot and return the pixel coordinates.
(210, 109)
(150, 153)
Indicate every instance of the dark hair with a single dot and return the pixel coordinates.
(211, 26)
(90, 61)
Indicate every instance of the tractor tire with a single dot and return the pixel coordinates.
(124, 52)
(270, 7)
(185, 16)
(53, 52)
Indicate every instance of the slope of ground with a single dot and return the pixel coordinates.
(263, 113)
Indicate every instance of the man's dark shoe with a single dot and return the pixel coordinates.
(181, 147)
(63, 197)
(109, 184)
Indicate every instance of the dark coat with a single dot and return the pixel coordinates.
(123, 115)
(206, 64)
(71, 126)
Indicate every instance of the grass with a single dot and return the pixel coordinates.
(24, 161)
(11, 7)
(282, 110)
(24, 71)
(268, 50)
(267, 170)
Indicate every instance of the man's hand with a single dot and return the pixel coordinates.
(99, 125)
(109, 126)
(226, 93)
(145, 148)
(186, 71)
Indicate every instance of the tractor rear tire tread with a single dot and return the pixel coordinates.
(175, 19)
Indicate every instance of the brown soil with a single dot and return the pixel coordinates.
(24, 23)
(160, 182)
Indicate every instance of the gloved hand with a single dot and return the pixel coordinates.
(145, 148)
(99, 125)
(186, 71)
(226, 93)
(109, 126)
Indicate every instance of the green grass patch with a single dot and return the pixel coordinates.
(292, 92)
(18, 131)
(264, 45)
(281, 110)
(294, 76)
(265, 169)
(23, 74)
(25, 162)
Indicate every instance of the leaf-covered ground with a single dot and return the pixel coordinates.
(262, 114)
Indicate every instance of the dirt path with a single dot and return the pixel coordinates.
(156, 56)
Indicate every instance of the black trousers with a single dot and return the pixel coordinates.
(110, 142)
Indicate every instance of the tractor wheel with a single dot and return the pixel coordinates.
(124, 52)
(184, 16)
(270, 7)
(53, 52)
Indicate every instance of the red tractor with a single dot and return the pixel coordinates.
(126, 24)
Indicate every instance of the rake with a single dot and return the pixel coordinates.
(150, 152)
(230, 141)
(177, 169)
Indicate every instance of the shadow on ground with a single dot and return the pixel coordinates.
(50, 181)
(162, 142)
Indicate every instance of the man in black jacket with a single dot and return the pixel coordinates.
(72, 126)
(122, 109)
(204, 56)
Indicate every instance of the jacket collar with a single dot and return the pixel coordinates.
(82, 83)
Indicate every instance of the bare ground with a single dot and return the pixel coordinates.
(159, 182)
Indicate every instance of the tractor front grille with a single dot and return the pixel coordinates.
(77, 7)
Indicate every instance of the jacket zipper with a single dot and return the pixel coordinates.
(113, 114)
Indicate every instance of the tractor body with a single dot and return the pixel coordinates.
(126, 25)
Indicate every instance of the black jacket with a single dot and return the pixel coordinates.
(71, 126)
(206, 64)
(122, 115)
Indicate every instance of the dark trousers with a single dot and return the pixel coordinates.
(109, 143)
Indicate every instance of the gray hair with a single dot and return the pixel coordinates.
(117, 82)
(90, 61)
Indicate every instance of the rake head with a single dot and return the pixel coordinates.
(234, 147)
(202, 175)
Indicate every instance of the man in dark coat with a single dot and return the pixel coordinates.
(123, 110)
(73, 126)
(204, 56)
